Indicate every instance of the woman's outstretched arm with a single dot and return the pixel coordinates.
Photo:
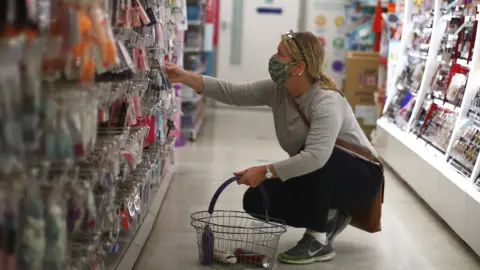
(258, 93)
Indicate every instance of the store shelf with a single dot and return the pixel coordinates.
(195, 23)
(432, 97)
(115, 170)
(452, 196)
(192, 50)
(130, 249)
(194, 100)
(383, 60)
(200, 69)
(191, 133)
(446, 105)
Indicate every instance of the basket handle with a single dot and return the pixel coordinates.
(266, 200)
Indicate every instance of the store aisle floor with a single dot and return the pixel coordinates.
(412, 237)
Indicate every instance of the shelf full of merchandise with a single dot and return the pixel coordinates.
(89, 167)
(134, 239)
(390, 36)
(428, 133)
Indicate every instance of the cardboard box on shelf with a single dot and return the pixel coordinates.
(361, 83)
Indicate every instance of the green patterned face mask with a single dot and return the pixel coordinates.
(278, 70)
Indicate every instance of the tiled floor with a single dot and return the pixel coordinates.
(412, 237)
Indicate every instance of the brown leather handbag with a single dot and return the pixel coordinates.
(367, 217)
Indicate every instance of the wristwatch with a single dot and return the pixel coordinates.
(269, 173)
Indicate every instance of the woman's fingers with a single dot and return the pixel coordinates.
(243, 180)
(174, 72)
(171, 67)
(240, 173)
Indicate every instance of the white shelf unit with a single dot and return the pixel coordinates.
(129, 252)
(451, 195)
(192, 120)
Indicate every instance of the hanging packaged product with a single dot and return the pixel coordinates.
(447, 86)
(83, 99)
(408, 83)
(11, 143)
(438, 127)
(466, 149)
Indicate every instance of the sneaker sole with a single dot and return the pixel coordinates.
(323, 258)
(340, 229)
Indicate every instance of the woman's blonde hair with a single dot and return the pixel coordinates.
(306, 47)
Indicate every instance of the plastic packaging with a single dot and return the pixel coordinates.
(225, 257)
(250, 257)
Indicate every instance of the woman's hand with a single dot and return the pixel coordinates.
(175, 73)
(252, 176)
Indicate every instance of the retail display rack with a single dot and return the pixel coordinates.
(390, 36)
(429, 130)
(87, 129)
(197, 44)
(360, 22)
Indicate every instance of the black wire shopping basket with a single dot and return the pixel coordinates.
(234, 239)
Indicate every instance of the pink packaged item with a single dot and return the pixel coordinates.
(142, 60)
(135, 17)
(138, 106)
(131, 117)
(141, 12)
(151, 122)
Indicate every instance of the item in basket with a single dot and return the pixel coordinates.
(225, 257)
(250, 257)
(207, 246)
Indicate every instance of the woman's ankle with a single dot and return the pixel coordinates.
(320, 236)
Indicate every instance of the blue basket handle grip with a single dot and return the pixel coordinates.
(266, 200)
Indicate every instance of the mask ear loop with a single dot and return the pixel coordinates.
(296, 63)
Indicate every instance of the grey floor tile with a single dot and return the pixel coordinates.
(412, 237)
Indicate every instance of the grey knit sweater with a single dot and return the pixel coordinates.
(329, 114)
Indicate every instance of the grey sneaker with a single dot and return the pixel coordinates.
(337, 225)
(308, 250)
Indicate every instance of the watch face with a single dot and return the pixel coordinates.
(269, 175)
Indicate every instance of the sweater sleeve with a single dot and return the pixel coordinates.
(258, 93)
(325, 125)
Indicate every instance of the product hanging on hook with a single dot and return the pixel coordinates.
(408, 83)
(84, 102)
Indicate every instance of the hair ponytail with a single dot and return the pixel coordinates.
(326, 82)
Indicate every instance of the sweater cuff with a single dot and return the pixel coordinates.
(209, 84)
(282, 169)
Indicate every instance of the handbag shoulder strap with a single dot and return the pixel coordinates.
(302, 115)
(349, 146)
